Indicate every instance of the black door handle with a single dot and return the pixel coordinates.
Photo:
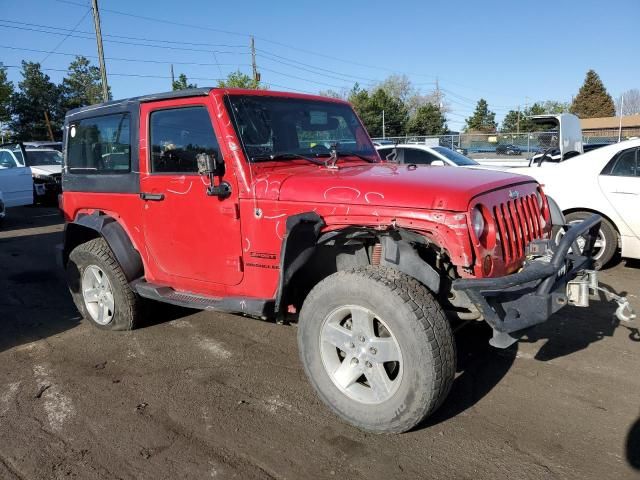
(156, 197)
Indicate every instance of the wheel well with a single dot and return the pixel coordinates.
(590, 210)
(351, 248)
(88, 227)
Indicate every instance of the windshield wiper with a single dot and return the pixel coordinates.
(285, 156)
(347, 154)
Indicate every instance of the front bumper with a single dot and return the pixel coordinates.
(529, 297)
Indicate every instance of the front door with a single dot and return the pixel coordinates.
(620, 182)
(16, 183)
(191, 238)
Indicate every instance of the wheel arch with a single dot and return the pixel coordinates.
(343, 249)
(88, 227)
(592, 210)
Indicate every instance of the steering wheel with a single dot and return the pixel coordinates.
(319, 148)
(545, 154)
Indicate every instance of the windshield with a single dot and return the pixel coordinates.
(455, 157)
(43, 157)
(272, 126)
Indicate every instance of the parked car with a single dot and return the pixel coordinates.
(508, 149)
(554, 155)
(43, 144)
(3, 212)
(380, 143)
(424, 155)
(16, 183)
(234, 203)
(604, 181)
(46, 169)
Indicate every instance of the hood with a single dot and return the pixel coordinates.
(46, 169)
(436, 188)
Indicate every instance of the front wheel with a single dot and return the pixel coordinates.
(606, 244)
(377, 348)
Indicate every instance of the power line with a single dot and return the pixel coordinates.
(123, 59)
(122, 42)
(66, 36)
(126, 37)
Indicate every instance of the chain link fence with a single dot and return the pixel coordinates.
(477, 145)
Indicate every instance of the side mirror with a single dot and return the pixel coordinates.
(212, 166)
(437, 163)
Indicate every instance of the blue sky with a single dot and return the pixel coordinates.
(509, 52)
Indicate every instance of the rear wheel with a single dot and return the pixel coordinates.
(377, 348)
(99, 288)
(606, 244)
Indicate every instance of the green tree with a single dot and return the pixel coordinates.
(515, 121)
(555, 107)
(593, 100)
(182, 84)
(370, 106)
(483, 120)
(6, 92)
(37, 94)
(428, 120)
(238, 79)
(82, 86)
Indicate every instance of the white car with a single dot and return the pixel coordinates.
(16, 183)
(46, 168)
(424, 155)
(604, 181)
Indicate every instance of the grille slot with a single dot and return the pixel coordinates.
(518, 223)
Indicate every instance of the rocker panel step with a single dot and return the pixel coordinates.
(251, 306)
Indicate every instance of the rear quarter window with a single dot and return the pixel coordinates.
(100, 145)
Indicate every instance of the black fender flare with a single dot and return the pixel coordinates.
(97, 224)
(300, 241)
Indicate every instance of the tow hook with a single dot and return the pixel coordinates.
(579, 289)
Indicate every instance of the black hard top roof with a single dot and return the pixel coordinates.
(188, 92)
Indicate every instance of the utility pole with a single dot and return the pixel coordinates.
(620, 124)
(46, 119)
(438, 95)
(383, 132)
(173, 77)
(518, 122)
(103, 69)
(256, 74)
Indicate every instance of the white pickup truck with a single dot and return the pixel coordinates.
(16, 182)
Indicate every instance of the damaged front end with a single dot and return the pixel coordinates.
(552, 277)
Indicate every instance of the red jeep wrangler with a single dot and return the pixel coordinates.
(266, 203)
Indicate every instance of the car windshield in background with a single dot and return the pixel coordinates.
(274, 126)
(455, 157)
(43, 157)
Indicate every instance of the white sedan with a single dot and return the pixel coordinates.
(604, 181)
(424, 155)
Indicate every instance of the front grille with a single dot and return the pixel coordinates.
(519, 222)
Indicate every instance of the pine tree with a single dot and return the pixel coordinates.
(82, 86)
(6, 92)
(483, 120)
(182, 84)
(593, 100)
(428, 120)
(36, 95)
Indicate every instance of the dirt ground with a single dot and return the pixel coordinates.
(206, 395)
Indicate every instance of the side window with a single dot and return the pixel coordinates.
(387, 154)
(177, 136)
(100, 145)
(625, 164)
(419, 157)
(7, 160)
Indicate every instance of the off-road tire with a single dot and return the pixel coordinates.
(128, 304)
(608, 231)
(420, 327)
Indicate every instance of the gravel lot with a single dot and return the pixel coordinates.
(206, 395)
